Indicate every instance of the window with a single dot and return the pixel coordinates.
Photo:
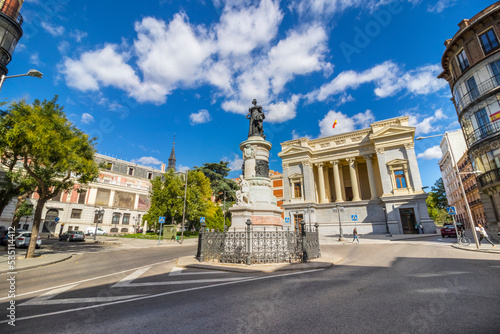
(126, 219)
(472, 88)
(150, 175)
(116, 218)
(488, 41)
(130, 171)
(297, 189)
(81, 197)
(495, 70)
(76, 213)
(399, 175)
(463, 62)
(108, 166)
(76, 228)
(70, 228)
(482, 122)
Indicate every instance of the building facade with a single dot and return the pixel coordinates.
(277, 185)
(472, 193)
(121, 190)
(471, 65)
(370, 173)
(448, 164)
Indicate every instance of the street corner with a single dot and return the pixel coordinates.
(472, 248)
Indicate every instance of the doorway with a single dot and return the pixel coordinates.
(408, 220)
(296, 220)
(49, 225)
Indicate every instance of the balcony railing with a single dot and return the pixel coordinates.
(12, 12)
(489, 177)
(477, 92)
(483, 132)
(123, 184)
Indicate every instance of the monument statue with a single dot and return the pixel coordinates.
(248, 152)
(256, 117)
(242, 197)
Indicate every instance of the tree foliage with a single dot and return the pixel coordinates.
(52, 150)
(217, 173)
(167, 198)
(439, 194)
(437, 203)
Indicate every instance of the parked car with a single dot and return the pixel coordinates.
(448, 231)
(23, 240)
(72, 236)
(91, 231)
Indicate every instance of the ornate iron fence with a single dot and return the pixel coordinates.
(259, 246)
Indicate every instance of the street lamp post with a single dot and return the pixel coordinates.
(467, 207)
(99, 213)
(339, 209)
(308, 211)
(31, 73)
(387, 232)
(184, 208)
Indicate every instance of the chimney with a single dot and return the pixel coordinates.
(464, 23)
(163, 168)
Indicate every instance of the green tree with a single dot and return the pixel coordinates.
(52, 150)
(437, 203)
(217, 173)
(439, 192)
(167, 197)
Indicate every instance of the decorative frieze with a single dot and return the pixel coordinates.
(340, 142)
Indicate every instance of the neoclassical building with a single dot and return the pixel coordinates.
(371, 173)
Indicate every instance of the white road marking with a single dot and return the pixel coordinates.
(177, 271)
(194, 281)
(78, 300)
(127, 280)
(47, 295)
(444, 273)
(88, 279)
(433, 290)
(159, 295)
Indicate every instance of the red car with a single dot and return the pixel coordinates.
(448, 230)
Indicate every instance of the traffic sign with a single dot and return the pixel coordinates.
(451, 210)
(354, 218)
(202, 219)
(287, 220)
(56, 219)
(161, 220)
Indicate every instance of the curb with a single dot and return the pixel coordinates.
(491, 251)
(39, 265)
(192, 262)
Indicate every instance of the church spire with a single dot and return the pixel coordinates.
(171, 160)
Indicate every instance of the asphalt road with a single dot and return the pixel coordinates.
(405, 287)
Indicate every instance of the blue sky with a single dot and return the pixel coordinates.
(134, 73)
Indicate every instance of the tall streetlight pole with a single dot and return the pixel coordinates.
(31, 73)
(467, 207)
(339, 209)
(184, 209)
(98, 212)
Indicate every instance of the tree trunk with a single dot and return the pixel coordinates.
(15, 219)
(2, 207)
(36, 226)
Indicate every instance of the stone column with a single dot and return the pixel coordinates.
(354, 179)
(92, 196)
(111, 198)
(321, 185)
(384, 176)
(287, 194)
(328, 191)
(336, 181)
(412, 162)
(308, 186)
(371, 176)
(136, 202)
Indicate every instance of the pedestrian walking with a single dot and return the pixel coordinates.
(355, 234)
(420, 228)
(484, 235)
(416, 228)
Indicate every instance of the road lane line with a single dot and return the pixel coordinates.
(78, 300)
(89, 279)
(48, 295)
(160, 295)
(194, 281)
(177, 271)
(127, 280)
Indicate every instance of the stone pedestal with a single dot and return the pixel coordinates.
(261, 207)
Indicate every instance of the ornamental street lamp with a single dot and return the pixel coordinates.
(99, 212)
(339, 209)
(31, 73)
(467, 207)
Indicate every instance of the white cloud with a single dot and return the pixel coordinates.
(389, 79)
(51, 29)
(148, 161)
(329, 7)
(424, 125)
(433, 152)
(235, 163)
(78, 35)
(202, 116)
(296, 135)
(344, 123)
(35, 59)
(182, 168)
(87, 118)
(440, 6)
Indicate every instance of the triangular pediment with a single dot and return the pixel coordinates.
(295, 176)
(397, 162)
(294, 150)
(392, 130)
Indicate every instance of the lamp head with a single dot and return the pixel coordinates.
(35, 73)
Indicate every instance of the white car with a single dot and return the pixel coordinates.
(91, 231)
(23, 240)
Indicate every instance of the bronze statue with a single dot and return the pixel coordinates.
(256, 117)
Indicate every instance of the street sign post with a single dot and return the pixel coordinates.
(202, 220)
(161, 221)
(354, 218)
(287, 220)
(451, 210)
(56, 219)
